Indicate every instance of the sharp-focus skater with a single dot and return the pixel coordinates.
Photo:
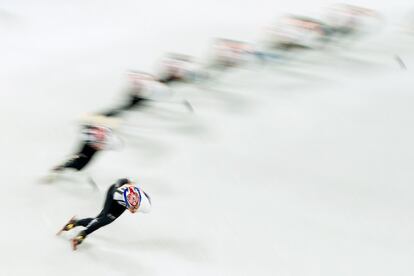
(122, 195)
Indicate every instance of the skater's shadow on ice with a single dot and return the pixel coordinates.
(123, 259)
(146, 147)
(163, 126)
(224, 101)
(76, 187)
(187, 249)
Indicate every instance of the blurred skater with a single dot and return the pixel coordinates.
(179, 68)
(95, 137)
(143, 88)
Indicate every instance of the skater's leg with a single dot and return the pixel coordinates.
(110, 211)
(83, 222)
(79, 160)
(105, 218)
(133, 101)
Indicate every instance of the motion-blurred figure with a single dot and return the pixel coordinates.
(349, 21)
(143, 88)
(121, 196)
(294, 32)
(96, 135)
(228, 53)
(179, 68)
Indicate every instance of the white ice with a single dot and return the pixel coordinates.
(303, 169)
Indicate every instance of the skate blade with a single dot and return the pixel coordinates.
(63, 228)
(74, 244)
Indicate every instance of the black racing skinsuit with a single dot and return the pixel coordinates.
(110, 212)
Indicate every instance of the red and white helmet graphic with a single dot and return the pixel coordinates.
(132, 197)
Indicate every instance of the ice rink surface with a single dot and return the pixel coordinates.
(300, 169)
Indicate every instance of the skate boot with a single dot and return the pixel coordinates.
(78, 240)
(68, 226)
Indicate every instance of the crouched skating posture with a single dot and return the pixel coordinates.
(121, 196)
(94, 138)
